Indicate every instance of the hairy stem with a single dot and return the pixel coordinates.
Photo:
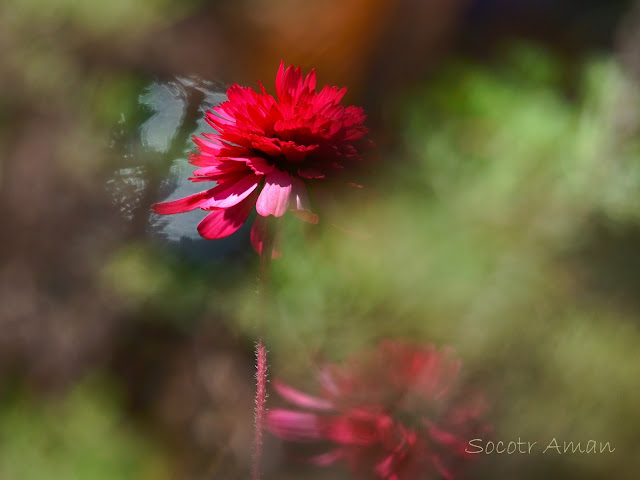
(261, 351)
(260, 409)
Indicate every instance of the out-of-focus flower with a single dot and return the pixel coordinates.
(267, 151)
(393, 414)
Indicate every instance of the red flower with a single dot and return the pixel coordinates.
(392, 414)
(266, 151)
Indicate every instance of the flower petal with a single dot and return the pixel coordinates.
(267, 146)
(296, 426)
(280, 80)
(274, 198)
(328, 458)
(288, 83)
(259, 165)
(221, 223)
(299, 202)
(293, 152)
(220, 168)
(208, 147)
(350, 430)
(301, 399)
(231, 192)
(450, 440)
(257, 236)
(181, 205)
(310, 80)
(327, 378)
(446, 473)
(385, 468)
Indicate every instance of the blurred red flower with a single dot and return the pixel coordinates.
(266, 151)
(390, 414)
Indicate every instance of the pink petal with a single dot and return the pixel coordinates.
(447, 439)
(217, 119)
(274, 198)
(301, 399)
(226, 176)
(445, 472)
(328, 381)
(221, 114)
(260, 165)
(267, 147)
(296, 426)
(326, 459)
(288, 83)
(385, 468)
(221, 168)
(441, 436)
(280, 80)
(206, 178)
(293, 81)
(329, 96)
(293, 152)
(299, 202)
(264, 91)
(223, 222)
(238, 94)
(350, 431)
(310, 81)
(181, 205)
(202, 160)
(207, 147)
(230, 192)
(257, 236)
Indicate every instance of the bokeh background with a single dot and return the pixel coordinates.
(501, 218)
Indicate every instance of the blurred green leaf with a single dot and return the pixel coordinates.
(78, 437)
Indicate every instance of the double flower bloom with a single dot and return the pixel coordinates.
(394, 413)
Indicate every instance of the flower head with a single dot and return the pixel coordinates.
(267, 150)
(391, 414)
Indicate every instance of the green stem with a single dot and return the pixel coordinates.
(265, 259)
